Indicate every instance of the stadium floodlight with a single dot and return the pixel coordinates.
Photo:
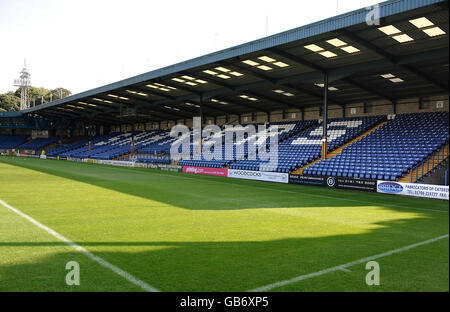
(210, 72)
(265, 67)
(223, 76)
(433, 32)
(266, 59)
(222, 69)
(396, 80)
(321, 85)
(189, 80)
(160, 86)
(403, 38)
(285, 93)
(389, 30)
(218, 101)
(251, 63)
(280, 64)
(244, 96)
(421, 22)
(328, 54)
(336, 42)
(350, 49)
(314, 47)
(24, 83)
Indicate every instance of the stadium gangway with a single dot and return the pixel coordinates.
(439, 159)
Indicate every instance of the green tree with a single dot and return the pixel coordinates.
(9, 101)
(60, 93)
(39, 94)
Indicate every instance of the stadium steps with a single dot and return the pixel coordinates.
(123, 156)
(50, 146)
(28, 139)
(429, 165)
(341, 148)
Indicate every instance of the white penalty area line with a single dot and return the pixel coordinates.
(343, 267)
(84, 251)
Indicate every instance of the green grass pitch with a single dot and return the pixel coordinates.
(183, 232)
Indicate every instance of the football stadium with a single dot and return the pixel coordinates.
(312, 160)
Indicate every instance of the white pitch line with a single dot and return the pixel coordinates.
(346, 270)
(344, 266)
(83, 250)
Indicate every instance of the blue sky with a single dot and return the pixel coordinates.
(83, 44)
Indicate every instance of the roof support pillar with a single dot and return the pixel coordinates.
(89, 131)
(268, 116)
(343, 111)
(302, 114)
(421, 103)
(325, 115)
(132, 137)
(394, 107)
(200, 126)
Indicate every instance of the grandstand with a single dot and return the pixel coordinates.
(391, 150)
(358, 80)
(11, 141)
(344, 104)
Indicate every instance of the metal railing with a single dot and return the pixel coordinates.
(437, 157)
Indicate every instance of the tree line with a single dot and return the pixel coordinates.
(10, 101)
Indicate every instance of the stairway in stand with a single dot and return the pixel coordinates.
(341, 148)
(427, 166)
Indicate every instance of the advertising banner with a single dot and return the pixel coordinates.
(120, 163)
(307, 180)
(165, 167)
(259, 175)
(27, 155)
(413, 189)
(205, 170)
(77, 159)
(335, 182)
(141, 165)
